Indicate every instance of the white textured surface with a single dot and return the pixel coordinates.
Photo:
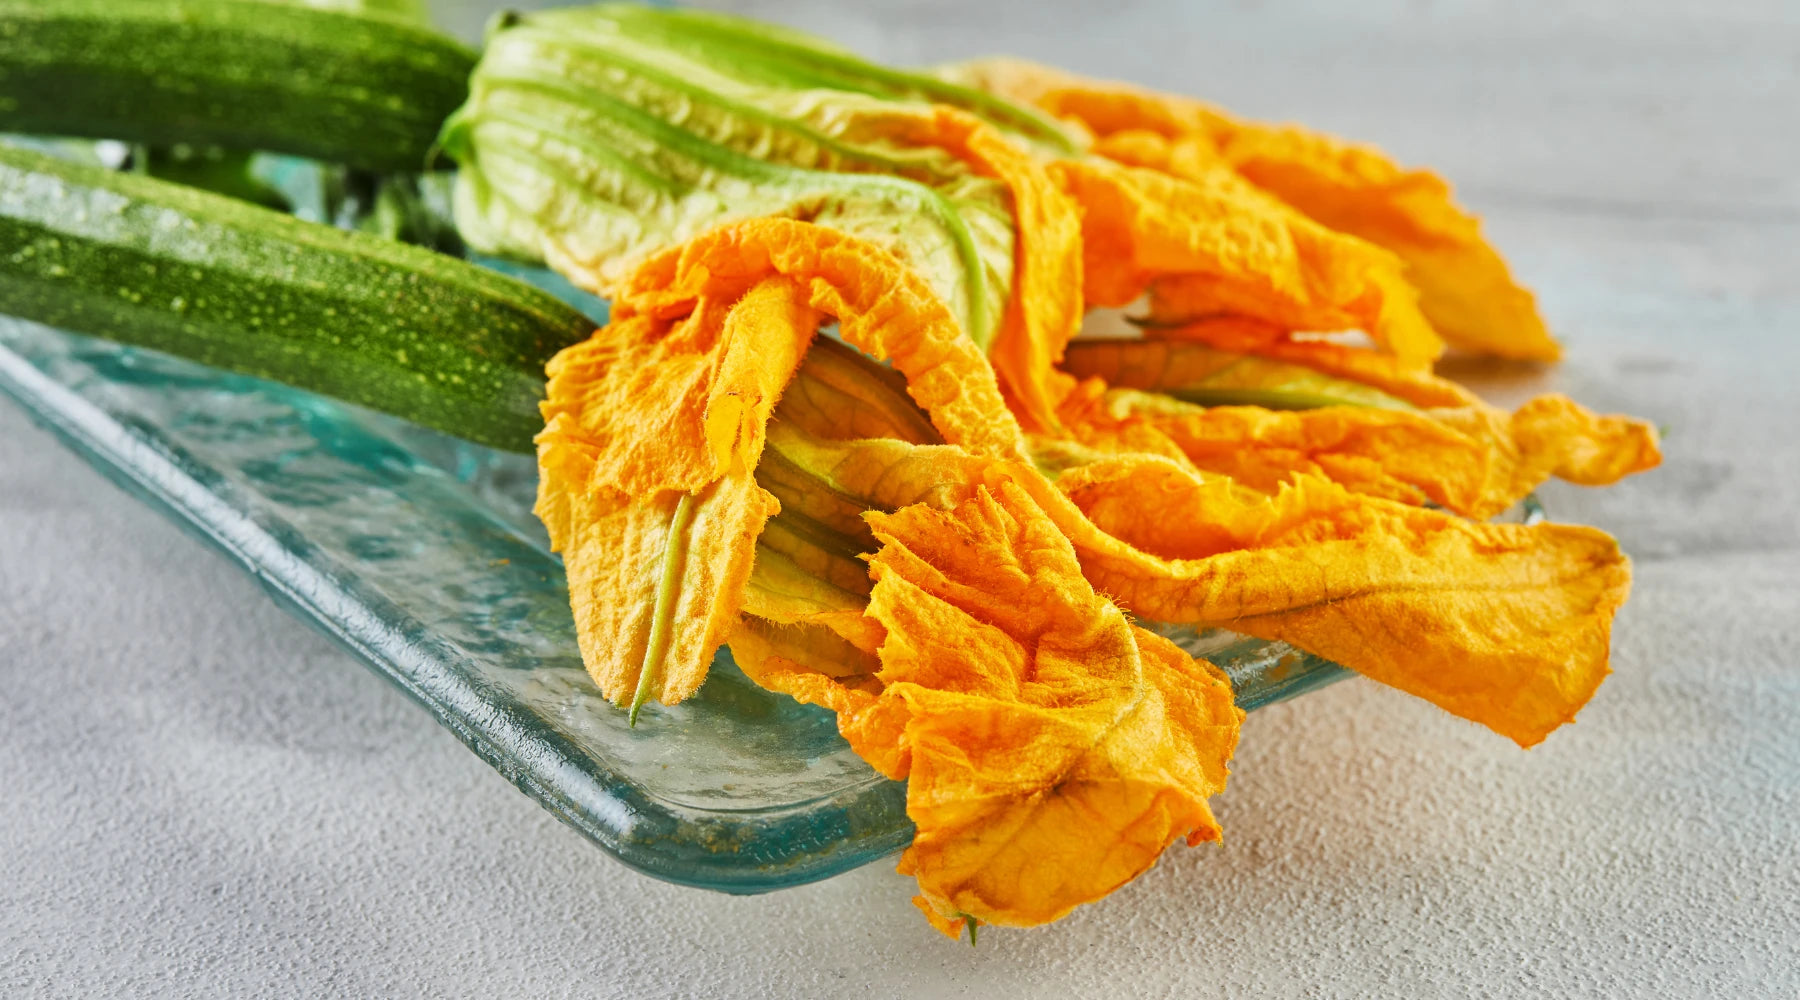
(198, 796)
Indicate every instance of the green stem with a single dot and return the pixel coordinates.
(1274, 398)
(668, 591)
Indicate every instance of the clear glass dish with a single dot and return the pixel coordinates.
(419, 553)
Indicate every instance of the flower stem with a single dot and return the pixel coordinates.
(668, 591)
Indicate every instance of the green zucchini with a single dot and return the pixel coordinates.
(397, 328)
(368, 90)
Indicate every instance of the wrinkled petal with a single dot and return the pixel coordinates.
(1465, 289)
(816, 667)
(1052, 749)
(880, 305)
(649, 404)
(673, 398)
(1502, 624)
(1055, 749)
(1553, 436)
(1212, 243)
(639, 415)
(1099, 107)
(1485, 461)
(1046, 307)
(1395, 454)
(612, 556)
(1591, 450)
(1507, 625)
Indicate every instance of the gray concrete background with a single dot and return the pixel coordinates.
(200, 797)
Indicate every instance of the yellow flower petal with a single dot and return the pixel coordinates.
(612, 554)
(1456, 450)
(1052, 749)
(1465, 289)
(881, 307)
(1503, 624)
(646, 412)
(1212, 243)
(1395, 454)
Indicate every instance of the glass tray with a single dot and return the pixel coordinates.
(419, 553)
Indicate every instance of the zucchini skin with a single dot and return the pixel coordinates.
(423, 336)
(366, 90)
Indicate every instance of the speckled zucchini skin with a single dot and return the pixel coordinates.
(408, 331)
(364, 89)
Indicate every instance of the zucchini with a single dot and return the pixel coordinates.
(368, 90)
(423, 336)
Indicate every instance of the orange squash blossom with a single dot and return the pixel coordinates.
(946, 554)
